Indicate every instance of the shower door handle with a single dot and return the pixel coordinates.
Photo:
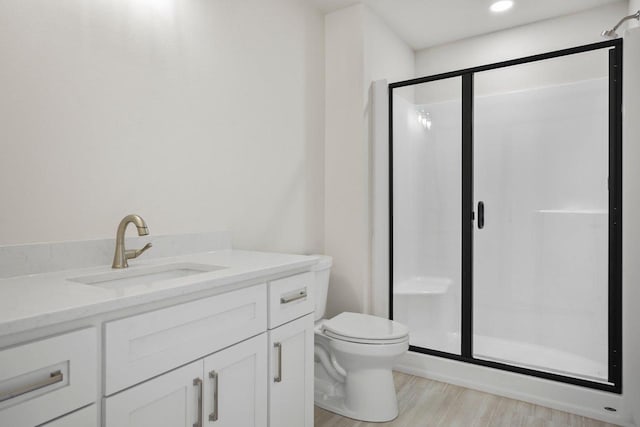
(480, 215)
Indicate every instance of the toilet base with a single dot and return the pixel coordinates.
(336, 405)
(333, 396)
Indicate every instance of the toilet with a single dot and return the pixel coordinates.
(354, 355)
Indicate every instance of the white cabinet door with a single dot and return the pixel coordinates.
(291, 374)
(170, 400)
(235, 393)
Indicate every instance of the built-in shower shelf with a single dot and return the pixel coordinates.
(573, 211)
(421, 285)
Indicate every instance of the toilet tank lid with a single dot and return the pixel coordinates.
(365, 326)
(324, 262)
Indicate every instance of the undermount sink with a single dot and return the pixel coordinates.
(145, 275)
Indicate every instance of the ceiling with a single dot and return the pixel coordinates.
(425, 23)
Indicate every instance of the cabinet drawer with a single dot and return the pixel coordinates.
(290, 298)
(146, 345)
(45, 379)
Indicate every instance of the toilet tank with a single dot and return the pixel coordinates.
(321, 282)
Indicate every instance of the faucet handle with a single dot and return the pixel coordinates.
(135, 253)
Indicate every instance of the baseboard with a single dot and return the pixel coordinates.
(564, 397)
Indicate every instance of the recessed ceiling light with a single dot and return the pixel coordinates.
(501, 6)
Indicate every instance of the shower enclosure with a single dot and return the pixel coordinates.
(505, 214)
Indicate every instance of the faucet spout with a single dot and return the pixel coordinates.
(121, 254)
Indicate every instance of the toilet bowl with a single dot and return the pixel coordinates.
(354, 356)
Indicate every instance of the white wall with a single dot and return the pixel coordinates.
(631, 226)
(386, 55)
(359, 48)
(199, 115)
(345, 161)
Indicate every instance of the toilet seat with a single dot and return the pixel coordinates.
(365, 329)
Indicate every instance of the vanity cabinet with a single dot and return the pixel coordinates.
(238, 353)
(226, 389)
(264, 381)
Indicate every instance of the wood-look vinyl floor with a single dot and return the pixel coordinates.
(426, 403)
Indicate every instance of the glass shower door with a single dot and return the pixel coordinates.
(426, 221)
(540, 264)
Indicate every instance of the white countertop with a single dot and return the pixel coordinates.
(29, 302)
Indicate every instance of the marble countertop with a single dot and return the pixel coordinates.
(33, 301)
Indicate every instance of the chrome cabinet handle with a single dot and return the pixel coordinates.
(198, 382)
(298, 295)
(278, 377)
(214, 377)
(54, 377)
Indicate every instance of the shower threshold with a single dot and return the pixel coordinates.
(516, 353)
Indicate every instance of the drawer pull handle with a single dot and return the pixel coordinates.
(298, 295)
(214, 377)
(278, 377)
(54, 377)
(198, 382)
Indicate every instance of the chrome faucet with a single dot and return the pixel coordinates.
(122, 255)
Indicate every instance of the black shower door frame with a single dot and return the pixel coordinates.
(614, 384)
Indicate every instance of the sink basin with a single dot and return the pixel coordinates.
(144, 275)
